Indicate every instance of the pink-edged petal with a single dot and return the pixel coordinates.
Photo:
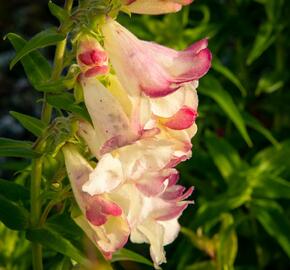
(151, 68)
(176, 160)
(172, 193)
(198, 46)
(176, 193)
(102, 219)
(183, 119)
(107, 114)
(173, 178)
(98, 70)
(131, 60)
(78, 170)
(110, 237)
(172, 211)
(107, 176)
(183, 66)
(153, 183)
(99, 209)
(168, 105)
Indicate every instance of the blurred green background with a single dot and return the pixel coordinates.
(241, 155)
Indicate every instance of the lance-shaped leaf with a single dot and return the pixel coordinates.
(35, 65)
(13, 191)
(15, 148)
(60, 13)
(225, 157)
(43, 39)
(219, 67)
(65, 101)
(12, 215)
(255, 124)
(32, 124)
(128, 255)
(272, 217)
(212, 88)
(55, 241)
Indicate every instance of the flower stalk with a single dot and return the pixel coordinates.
(36, 173)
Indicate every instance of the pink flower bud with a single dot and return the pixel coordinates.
(91, 57)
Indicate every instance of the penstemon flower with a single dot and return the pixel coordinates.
(149, 68)
(142, 101)
(132, 190)
(155, 6)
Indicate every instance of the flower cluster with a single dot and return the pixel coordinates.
(143, 118)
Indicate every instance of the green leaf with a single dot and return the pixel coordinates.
(32, 124)
(207, 265)
(53, 240)
(273, 9)
(58, 12)
(272, 187)
(273, 219)
(273, 158)
(228, 244)
(128, 255)
(66, 102)
(255, 124)
(35, 65)
(15, 148)
(212, 88)
(210, 211)
(225, 157)
(270, 82)
(264, 39)
(13, 191)
(43, 39)
(62, 84)
(12, 215)
(219, 67)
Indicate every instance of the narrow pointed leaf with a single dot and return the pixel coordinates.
(273, 219)
(35, 65)
(255, 124)
(66, 102)
(225, 157)
(43, 39)
(272, 187)
(13, 191)
(53, 240)
(212, 88)
(32, 124)
(128, 255)
(12, 215)
(219, 67)
(60, 13)
(15, 148)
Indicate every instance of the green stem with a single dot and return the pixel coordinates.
(36, 173)
(35, 210)
(57, 69)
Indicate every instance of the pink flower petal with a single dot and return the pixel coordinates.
(151, 68)
(183, 119)
(98, 210)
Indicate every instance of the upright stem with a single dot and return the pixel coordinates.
(36, 209)
(36, 173)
